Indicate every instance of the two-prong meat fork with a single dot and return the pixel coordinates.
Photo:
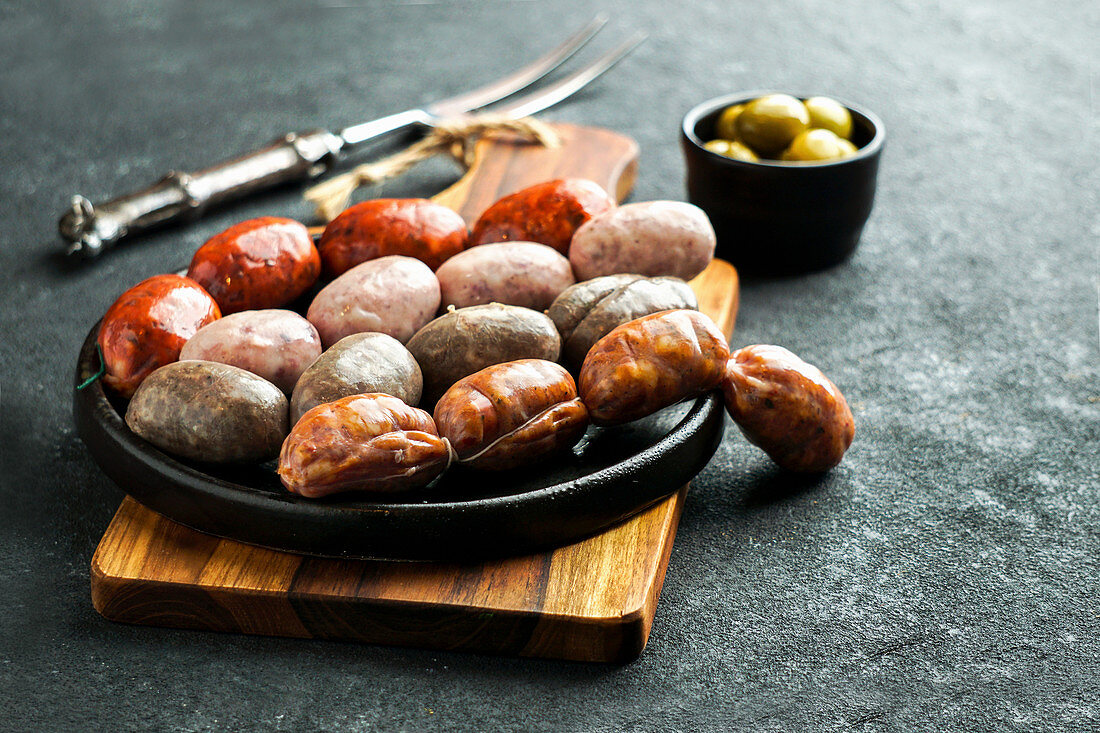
(90, 229)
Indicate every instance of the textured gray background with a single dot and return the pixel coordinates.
(945, 577)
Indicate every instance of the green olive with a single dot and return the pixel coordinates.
(818, 145)
(731, 149)
(768, 124)
(740, 151)
(722, 147)
(726, 127)
(829, 114)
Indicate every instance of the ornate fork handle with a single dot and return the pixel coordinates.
(294, 157)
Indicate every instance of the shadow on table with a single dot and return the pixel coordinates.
(773, 485)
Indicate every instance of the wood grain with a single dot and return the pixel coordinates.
(590, 601)
(606, 157)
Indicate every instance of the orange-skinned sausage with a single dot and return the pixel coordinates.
(511, 414)
(411, 227)
(148, 325)
(650, 363)
(788, 408)
(259, 263)
(547, 213)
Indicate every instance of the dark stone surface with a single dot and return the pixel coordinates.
(945, 577)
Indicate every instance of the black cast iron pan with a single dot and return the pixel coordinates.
(465, 515)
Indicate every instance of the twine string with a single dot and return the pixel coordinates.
(456, 138)
(102, 370)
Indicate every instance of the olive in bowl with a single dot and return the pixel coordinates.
(782, 216)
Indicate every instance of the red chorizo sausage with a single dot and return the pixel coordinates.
(650, 363)
(547, 213)
(412, 227)
(366, 442)
(788, 408)
(148, 325)
(510, 414)
(259, 263)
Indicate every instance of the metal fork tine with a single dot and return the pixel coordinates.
(501, 88)
(551, 95)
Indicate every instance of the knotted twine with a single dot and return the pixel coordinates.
(457, 138)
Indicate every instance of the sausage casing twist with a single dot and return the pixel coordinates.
(510, 414)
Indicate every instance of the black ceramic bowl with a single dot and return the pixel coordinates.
(469, 515)
(774, 217)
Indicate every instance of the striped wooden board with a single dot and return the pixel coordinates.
(591, 601)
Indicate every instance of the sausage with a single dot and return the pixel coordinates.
(259, 263)
(513, 273)
(367, 442)
(394, 295)
(356, 364)
(467, 340)
(511, 414)
(570, 308)
(651, 238)
(148, 325)
(650, 363)
(587, 314)
(411, 227)
(210, 412)
(548, 213)
(788, 408)
(275, 344)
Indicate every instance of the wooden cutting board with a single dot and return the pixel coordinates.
(590, 601)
